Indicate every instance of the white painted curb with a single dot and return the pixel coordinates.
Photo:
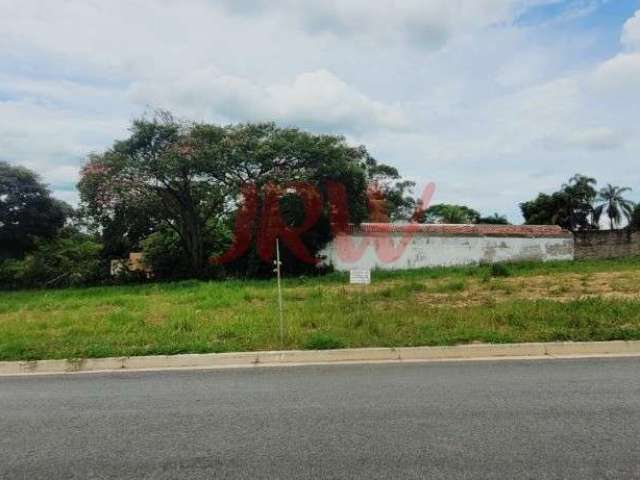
(309, 357)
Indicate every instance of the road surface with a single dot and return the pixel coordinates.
(558, 419)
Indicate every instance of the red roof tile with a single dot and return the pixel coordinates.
(463, 230)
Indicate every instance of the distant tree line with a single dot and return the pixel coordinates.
(174, 190)
(459, 214)
(578, 205)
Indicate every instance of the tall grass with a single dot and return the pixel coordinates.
(398, 309)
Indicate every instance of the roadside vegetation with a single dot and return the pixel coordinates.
(572, 301)
(179, 194)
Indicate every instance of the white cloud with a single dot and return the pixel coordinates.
(596, 138)
(51, 141)
(456, 91)
(428, 24)
(619, 75)
(631, 32)
(617, 79)
(317, 100)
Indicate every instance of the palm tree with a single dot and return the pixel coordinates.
(614, 204)
(579, 195)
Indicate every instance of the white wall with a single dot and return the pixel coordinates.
(426, 250)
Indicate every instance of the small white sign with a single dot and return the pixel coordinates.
(360, 277)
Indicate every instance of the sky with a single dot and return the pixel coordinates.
(493, 100)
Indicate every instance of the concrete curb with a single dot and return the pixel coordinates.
(315, 357)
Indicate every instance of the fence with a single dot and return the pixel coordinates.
(606, 244)
(445, 245)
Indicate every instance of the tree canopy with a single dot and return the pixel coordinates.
(27, 211)
(395, 195)
(192, 178)
(571, 207)
(453, 214)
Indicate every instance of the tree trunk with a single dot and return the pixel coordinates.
(192, 236)
(198, 261)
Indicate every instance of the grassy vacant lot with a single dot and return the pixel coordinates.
(597, 300)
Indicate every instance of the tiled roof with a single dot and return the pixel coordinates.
(463, 230)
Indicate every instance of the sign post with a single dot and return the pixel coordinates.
(360, 277)
(278, 265)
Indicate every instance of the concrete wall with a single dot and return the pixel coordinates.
(443, 245)
(606, 244)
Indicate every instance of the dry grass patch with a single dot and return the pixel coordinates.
(559, 287)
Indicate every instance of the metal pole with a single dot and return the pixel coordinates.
(278, 263)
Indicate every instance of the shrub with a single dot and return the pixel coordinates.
(500, 270)
(164, 253)
(70, 259)
(323, 341)
(8, 273)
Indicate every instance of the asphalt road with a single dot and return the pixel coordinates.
(564, 419)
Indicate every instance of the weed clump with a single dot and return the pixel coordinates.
(500, 270)
(323, 341)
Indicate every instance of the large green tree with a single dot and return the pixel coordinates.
(546, 209)
(581, 194)
(27, 211)
(186, 176)
(614, 205)
(571, 207)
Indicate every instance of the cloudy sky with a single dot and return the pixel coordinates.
(494, 100)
